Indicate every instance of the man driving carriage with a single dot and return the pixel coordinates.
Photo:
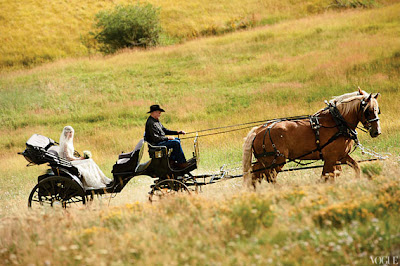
(157, 135)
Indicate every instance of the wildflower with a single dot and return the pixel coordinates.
(74, 247)
(87, 154)
(103, 251)
(13, 257)
(231, 244)
(349, 240)
(62, 248)
(354, 223)
(363, 254)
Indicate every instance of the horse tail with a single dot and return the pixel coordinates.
(247, 156)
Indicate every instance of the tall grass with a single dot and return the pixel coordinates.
(281, 70)
(297, 221)
(34, 32)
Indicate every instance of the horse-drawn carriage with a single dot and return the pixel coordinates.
(327, 135)
(62, 184)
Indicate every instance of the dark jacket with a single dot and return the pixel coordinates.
(155, 132)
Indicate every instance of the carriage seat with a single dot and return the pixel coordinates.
(41, 150)
(157, 152)
(55, 160)
(143, 166)
(54, 150)
(128, 162)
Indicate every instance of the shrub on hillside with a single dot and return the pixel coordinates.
(126, 27)
(344, 4)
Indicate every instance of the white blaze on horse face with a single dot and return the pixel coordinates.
(375, 126)
(378, 124)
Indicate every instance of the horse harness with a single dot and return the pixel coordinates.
(343, 130)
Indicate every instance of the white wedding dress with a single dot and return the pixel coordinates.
(93, 177)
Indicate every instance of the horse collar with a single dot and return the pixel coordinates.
(341, 123)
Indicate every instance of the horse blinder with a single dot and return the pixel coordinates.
(367, 112)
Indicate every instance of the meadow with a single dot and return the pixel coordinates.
(33, 32)
(285, 69)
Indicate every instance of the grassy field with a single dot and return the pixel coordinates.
(285, 69)
(299, 221)
(33, 32)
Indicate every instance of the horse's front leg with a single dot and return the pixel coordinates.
(353, 164)
(337, 170)
(328, 171)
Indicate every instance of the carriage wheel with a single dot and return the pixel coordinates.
(56, 191)
(166, 188)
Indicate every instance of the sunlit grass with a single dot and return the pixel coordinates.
(34, 32)
(294, 221)
(282, 70)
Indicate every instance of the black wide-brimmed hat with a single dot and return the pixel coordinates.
(155, 107)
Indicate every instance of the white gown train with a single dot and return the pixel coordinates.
(93, 177)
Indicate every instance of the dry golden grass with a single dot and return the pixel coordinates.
(127, 229)
(34, 31)
(276, 71)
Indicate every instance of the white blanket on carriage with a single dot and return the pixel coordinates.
(93, 177)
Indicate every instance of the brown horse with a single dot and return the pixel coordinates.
(327, 135)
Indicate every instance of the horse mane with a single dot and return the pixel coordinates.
(337, 99)
(349, 105)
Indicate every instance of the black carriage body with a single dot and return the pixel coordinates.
(158, 166)
(63, 181)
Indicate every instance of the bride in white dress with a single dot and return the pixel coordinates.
(92, 175)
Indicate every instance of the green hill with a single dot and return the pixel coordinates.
(273, 71)
(33, 32)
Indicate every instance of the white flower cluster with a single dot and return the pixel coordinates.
(87, 154)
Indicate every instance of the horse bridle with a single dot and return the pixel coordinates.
(365, 113)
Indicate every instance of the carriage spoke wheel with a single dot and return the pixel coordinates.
(56, 191)
(167, 188)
